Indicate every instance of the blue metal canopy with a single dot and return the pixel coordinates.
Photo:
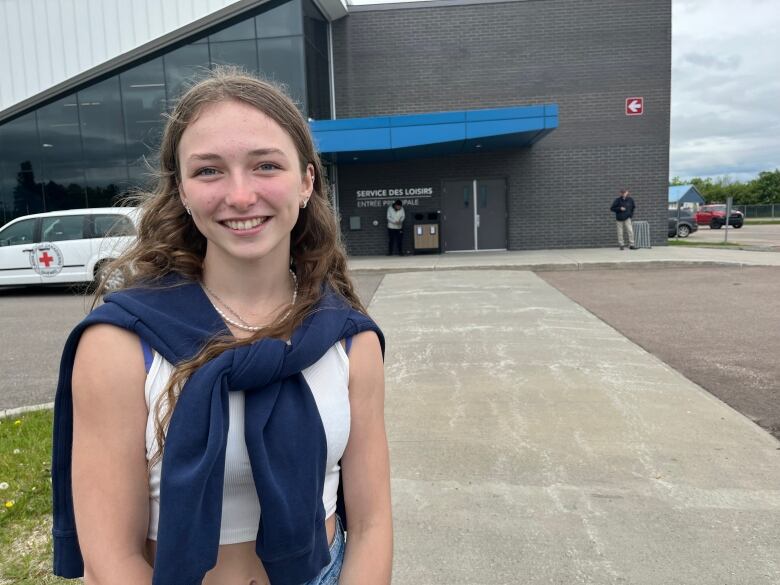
(388, 138)
(684, 194)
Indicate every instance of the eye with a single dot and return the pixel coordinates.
(205, 172)
(268, 166)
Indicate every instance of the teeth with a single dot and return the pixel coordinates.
(247, 224)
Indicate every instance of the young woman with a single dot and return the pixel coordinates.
(208, 416)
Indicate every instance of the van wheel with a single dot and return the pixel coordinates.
(114, 279)
(683, 231)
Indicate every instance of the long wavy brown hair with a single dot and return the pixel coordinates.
(169, 243)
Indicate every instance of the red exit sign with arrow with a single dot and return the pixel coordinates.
(635, 106)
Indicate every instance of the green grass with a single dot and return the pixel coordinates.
(25, 504)
(681, 242)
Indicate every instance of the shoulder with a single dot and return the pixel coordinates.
(105, 354)
(108, 341)
(365, 358)
(366, 343)
(107, 336)
(364, 327)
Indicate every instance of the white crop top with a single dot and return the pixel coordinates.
(328, 379)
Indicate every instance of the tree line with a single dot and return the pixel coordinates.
(764, 189)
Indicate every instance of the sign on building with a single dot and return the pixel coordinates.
(635, 106)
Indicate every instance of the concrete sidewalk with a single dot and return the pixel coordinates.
(574, 259)
(532, 443)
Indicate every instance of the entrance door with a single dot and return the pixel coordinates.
(474, 215)
(491, 214)
(458, 216)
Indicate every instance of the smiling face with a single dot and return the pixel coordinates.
(241, 177)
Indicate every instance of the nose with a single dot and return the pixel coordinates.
(241, 194)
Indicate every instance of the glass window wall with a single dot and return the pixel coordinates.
(85, 149)
(61, 153)
(281, 60)
(241, 31)
(143, 103)
(283, 20)
(317, 73)
(241, 53)
(20, 163)
(102, 124)
(182, 67)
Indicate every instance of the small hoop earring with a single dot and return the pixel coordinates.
(187, 208)
(304, 204)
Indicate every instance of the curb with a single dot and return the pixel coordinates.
(23, 409)
(563, 267)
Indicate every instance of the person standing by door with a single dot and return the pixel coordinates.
(395, 224)
(623, 207)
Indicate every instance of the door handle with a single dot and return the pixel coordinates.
(28, 250)
(477, 220)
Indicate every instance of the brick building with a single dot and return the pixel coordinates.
(585, 58)
(503, 122)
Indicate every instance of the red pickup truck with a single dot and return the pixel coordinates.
(715, 216)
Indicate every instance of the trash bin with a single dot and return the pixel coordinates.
(642, 234)
(426, 233)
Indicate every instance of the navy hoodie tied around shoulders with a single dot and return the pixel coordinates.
(286, 440)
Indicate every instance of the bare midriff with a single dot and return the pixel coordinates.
(238, 564)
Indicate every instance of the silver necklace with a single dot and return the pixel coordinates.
(241, 323)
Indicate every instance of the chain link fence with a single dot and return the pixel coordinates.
(771, 211)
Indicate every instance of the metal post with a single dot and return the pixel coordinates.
(677, 224)
(476, 215)
(729, 201)
(334, 187)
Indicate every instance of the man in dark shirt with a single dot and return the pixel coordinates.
(624, 207)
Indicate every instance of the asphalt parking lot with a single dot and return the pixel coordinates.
(764, 236)
(516, 424)
(35, 323)
(720, 327)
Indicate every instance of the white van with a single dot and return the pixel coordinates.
(63, 247)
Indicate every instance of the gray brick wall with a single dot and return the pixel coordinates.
(585, 56)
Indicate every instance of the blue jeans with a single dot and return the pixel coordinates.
(332, 571)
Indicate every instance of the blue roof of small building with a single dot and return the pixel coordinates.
(685, 194)
(434, 134)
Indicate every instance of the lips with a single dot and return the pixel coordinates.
(244, 224)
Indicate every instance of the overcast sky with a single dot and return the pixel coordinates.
(725, 87)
